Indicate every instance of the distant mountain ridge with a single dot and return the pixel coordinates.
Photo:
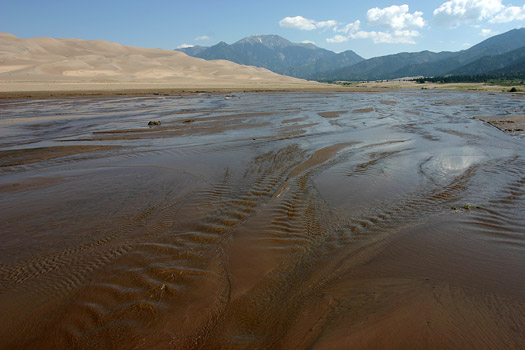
(311, 62)
(277, 54)
(426, 63)
(510, 62)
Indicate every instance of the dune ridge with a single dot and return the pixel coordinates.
(54, 64)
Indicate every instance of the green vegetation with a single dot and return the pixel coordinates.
(346, 83)
(500, 56)
(491, 79)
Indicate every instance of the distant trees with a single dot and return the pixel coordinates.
(515, 78)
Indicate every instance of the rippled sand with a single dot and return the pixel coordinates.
(262, 221)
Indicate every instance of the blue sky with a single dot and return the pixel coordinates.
(370, 28)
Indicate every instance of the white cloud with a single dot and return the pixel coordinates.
(350, 27)
(184, 46)
(326, 24)
(509, 14)
(337, 39)
(395, 37)
(395, 17)
(455, 12)
(308, 42)
(299, 22)
(203, 37)
(487, 32)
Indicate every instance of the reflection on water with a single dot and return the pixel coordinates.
(453, 161)
(268, 220)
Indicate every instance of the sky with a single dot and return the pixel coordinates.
(370, 28)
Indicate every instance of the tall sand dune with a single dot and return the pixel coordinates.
(49, 64)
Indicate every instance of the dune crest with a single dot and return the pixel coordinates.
(64, 61)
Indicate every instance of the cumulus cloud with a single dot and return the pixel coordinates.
(326, 24)
(487, 32)
(394, 37)
(184, 46)
(399, 23)
(456, 12)
(203, 37)
(509, 14)
(350, 27)
(395, 17)
(378, 37)
(337, 39)
(299, 22)
(308, 42)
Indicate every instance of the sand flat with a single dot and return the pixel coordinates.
(513, 123)
(247, 220)
(15, 157)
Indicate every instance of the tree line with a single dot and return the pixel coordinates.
(516, 78)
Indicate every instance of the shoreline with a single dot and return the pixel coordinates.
(50, 90)
(58, 89)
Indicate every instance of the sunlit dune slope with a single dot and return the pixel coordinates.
(91, 61)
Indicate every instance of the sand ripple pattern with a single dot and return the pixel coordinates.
(268, 221)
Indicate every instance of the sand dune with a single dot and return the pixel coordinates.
(27, 63)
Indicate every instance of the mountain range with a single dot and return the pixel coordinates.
(499, 54)
(277, 54)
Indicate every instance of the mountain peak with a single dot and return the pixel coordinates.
(278, 55)
(513, 38)
(266, 40)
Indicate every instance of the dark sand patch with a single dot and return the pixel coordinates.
(319, 157)
(388, 102)
(512, 124)
(94, 90)
(30, 184)
(293, 120)
(294, 129)
(204, 122)
(194, 129)
(32, 155)
(409, 111)
(198, 125)
(363, 110)
(334, 114)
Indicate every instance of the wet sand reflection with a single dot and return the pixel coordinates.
(264, 220)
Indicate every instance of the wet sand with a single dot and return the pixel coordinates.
(58, 89)
(284, 220)
(512, 124)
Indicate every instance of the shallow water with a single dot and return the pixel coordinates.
(262, 220)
